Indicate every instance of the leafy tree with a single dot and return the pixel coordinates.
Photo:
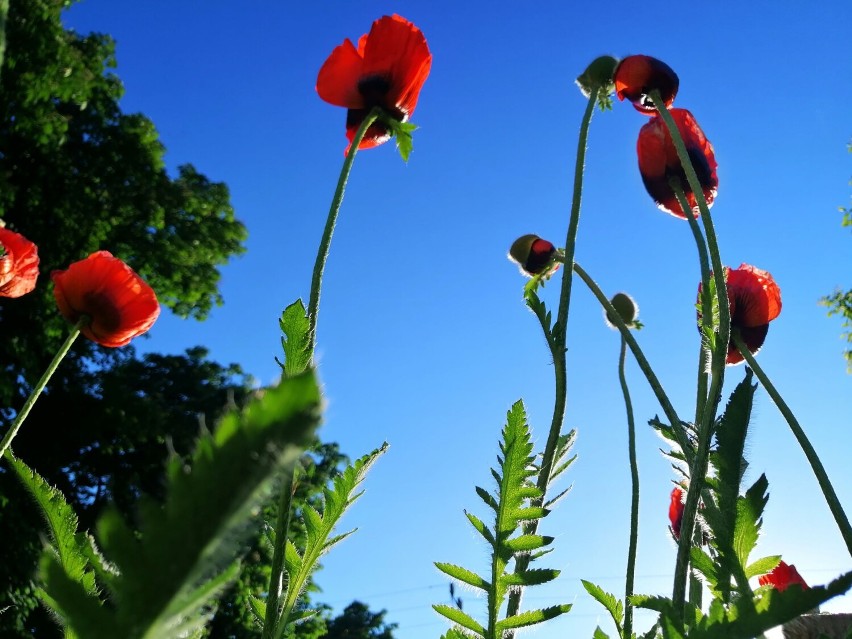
(840, 302)
(357, 622)
(77, 175)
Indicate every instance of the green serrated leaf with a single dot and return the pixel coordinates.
(762, 566)
(749, 512)
(338, 498)
(71, 549)
(613, 605)
(458, 617)
(257, 607)
(526, 543)
(80, 614)
(531, 617)
(481, 528)
(199, 530)
(702, 562)
(730, 465)
(402, 132)
(599, 634)
(295, 339)
(488, 498)
(463, 574)
(531, 577)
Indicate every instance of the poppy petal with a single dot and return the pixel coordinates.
(337, 81)
(397, 50)
(18, 264)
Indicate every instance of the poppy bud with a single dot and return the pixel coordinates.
(659, 162)
(676, 506)
(532, 254)
(625, 307)
(637, 75)
(598, 74)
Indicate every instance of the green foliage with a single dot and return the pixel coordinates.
(299, 564)
(840, 302)
(168, 576)
(357, 622)
(613, 605)
(723, 516)
(402, 132)
(746, 617)
(78, 175)
(295, 339)
(514, 506)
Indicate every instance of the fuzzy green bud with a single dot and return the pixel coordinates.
(625, 307)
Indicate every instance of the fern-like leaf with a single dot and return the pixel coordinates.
(516, 504)
(463, 574)
(613, 605)
(337, 498)
(461, 618)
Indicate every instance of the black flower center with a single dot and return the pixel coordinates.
(374, 88)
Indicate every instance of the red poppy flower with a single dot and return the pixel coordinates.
(532, 253)
(119, 302)
(783, 576)
(18, 264)
(658, 161)
(387, 70)
(637, 75)
(755, 300)
(676, 510)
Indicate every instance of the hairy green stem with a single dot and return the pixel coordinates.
(798, 432)
(634, 495)
(278, 580)
(641, 360)
(331, 221)
(717, 364)
(558, 341)
(273, 624)
(39, 387)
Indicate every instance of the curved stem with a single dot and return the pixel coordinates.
(561, 327)
(615, 318)
(273, 624)
(634, 496)
(39, 387)
(557, 343)
(331, 221)
(798, 432)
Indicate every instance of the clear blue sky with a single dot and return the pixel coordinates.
(423, 337)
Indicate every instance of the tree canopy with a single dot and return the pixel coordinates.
(78, 175)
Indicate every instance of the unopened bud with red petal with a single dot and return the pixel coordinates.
(626, 308)
(533, 254)
(636, 76)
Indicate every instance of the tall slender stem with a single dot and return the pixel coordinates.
(39, 387)
(277, 585)
(717, 363)
(330, 222)
(798, 432)
(634, 495)
(559, 337)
